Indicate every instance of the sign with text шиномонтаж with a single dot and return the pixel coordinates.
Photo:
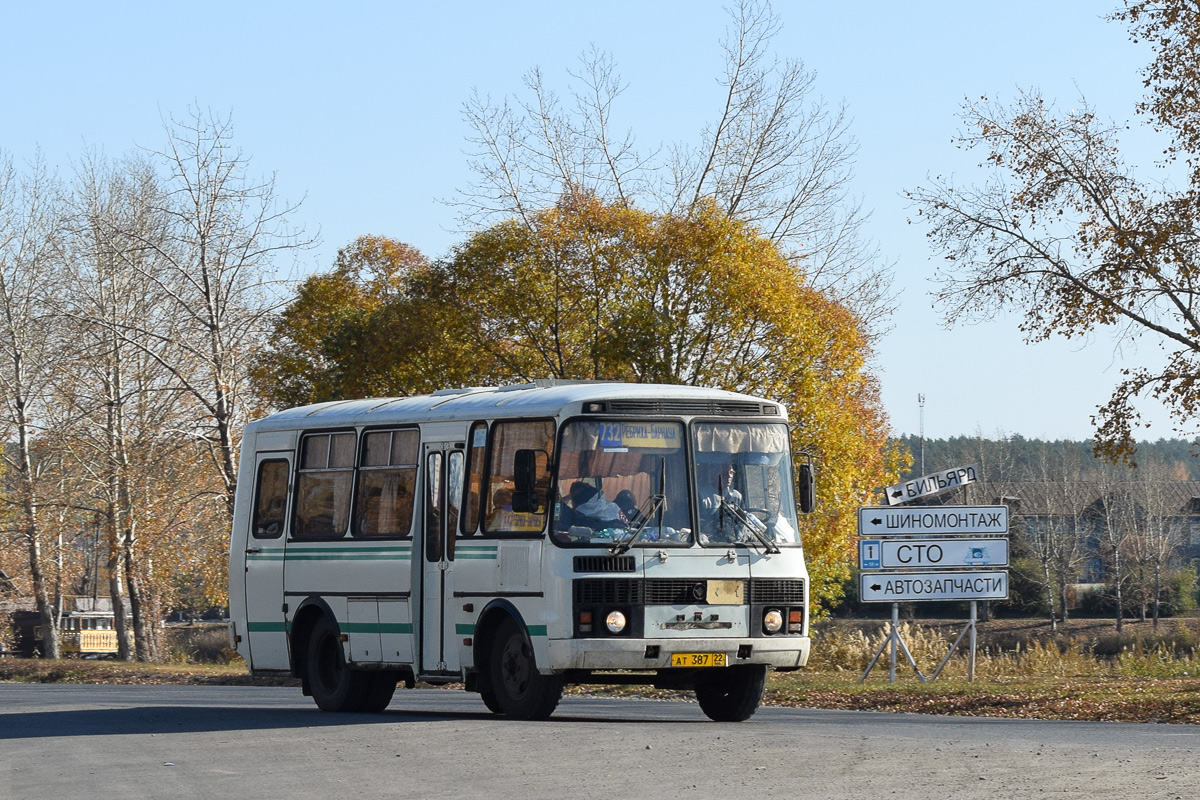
(914, 520)
(932, 552)
(931, 484)
(905, 587)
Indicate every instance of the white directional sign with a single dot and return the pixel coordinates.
(899, 587)
(913, 520)
(928, 485)
(932, 552)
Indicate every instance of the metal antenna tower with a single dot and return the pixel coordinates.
(921, 403)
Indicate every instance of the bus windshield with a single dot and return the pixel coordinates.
(616, 478)
(743, 484)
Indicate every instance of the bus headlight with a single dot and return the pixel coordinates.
(615, 622)
(772, 621)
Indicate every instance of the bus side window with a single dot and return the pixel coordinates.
(474, 489)
(270, 499)
(324, 484)
(387, 484)
(507, 439)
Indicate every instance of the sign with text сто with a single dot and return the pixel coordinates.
(932, 552)
(928, 485)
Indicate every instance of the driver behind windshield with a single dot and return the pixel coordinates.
(717, 495)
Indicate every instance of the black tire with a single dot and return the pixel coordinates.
(381, 685)
(520, 690)
(489, 700)
(732, 694)
(335, 686)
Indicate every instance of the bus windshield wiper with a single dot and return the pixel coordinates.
(751, 523)
(652, 506)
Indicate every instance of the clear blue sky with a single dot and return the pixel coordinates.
(356, 109)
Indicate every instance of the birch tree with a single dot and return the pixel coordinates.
(214, 267)
(29, 228)
(775, 156)
(124, 404)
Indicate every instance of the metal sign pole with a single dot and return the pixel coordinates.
(895, 634)
(971, 661)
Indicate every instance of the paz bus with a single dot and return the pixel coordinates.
(522, 538)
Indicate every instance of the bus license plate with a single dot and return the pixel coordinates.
(698, 659)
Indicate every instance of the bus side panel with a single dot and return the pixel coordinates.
(237, 548)
(263, 559)
(396, 630)
(367, 584)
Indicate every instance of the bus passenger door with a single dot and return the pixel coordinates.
(442, 497)
(266, 628)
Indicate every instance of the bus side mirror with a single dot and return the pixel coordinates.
(525, 497)
(806, 490)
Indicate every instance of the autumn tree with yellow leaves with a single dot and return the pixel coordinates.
(595, 290)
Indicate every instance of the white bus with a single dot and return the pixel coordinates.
(521, 538)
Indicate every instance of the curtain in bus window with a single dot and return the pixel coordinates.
(471, 505)
(507, 439)
(324, 485)
(387, 484)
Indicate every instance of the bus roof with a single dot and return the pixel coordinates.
(542, 398)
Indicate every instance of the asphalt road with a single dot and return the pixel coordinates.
(70, 741)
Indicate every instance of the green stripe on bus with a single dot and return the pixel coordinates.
(475, 551)
(267, 627)
(377, 627)
(350, 554)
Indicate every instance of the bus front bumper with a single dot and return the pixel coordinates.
(788, 652)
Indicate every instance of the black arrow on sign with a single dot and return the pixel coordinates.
(897, 493)
(875, 587)
(877, 521)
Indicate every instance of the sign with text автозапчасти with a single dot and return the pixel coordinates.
(900, 587)
(928, 485)
(914, 520)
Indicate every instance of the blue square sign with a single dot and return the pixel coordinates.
(869, 552)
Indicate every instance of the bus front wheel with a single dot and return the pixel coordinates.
(732, 694)
(520, 691)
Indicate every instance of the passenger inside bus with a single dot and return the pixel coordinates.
(592, 509)
(629, 506)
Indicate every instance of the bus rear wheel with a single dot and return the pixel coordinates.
(520, 690)
(381, 686)
(335, 686)
(732, 694)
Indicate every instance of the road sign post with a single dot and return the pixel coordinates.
(931, 553)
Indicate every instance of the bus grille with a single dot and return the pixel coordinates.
(678, 591)
(605, 564)
(598, 591)
(777, 591)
